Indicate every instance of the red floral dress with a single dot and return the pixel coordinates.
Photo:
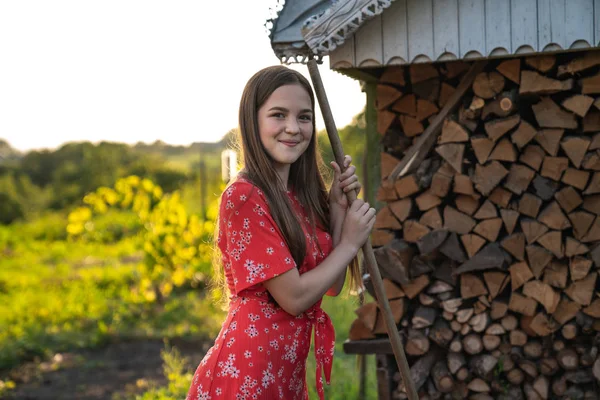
(261, 350)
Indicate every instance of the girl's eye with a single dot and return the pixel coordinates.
(306, 118)
(278, 115)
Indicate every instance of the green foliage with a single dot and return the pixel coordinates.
(179, 378)
(176, 245)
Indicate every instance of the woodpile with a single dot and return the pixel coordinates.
(490, 247)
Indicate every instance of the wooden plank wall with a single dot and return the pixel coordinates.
(430, 30)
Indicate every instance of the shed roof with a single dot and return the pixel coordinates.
(361, 33)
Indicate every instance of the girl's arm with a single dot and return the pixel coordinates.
(296, 293)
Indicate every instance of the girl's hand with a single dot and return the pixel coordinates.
(358, 223)
(343, 183)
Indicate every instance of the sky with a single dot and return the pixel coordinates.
(137, 70)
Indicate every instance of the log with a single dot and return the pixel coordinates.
(393, 260)
(515, 376)
(489, 228)
(500, 197)
(411, 126)
(594, 185)
(427, 200)
(559, 386)
(582, 290)
(432, 241)
(515, 245)
(478, 385)
(569, 331)
(592, 161)
(574, 248)
(549, 115)
(393, 75)
(425, 109)
(488, 84)
(556, 275)
(407, 186)
(453, 154)
(443, 380)
(452, 249)
(533, 156)
(510, 218)
(496, 128)
(544, 188)
(569, 199)
(414, 231)
(471, 286)
(489, 257)
(386, 192)
(518, 337)
(541, 63)
(401, 208)
(359, 331)
(578, 104)
(581, 222)
(511, 69)
(502, 106)
(386, 96)
(406, 105)
(386, 220)
(519, 178)
(385, 119)
(590, 84)
(553, 167)
(415, 286)
(543, 294)
(529, 205)
(482, 146)
(532, 229)
(576, 148)
(552, 241)
(519, 274)
(464, 185)
(417, 343)
(446, 92)
(486, 211)
(462, 316)
(579, 267)
(538, 259)
(542, 325)
(498, 309)
(495, 282)
(522, 305)
(466, 204)
(380, 237)
(472, 243)
(453, 132)
(504, 151)
(548, 366)
(523, 134)
(432, 219)
(440, 184)
(423, 317)
(439, 287)
(455, 221)
(483, 365)
(568, 359)
(456, 361)
(472, 344)
(553, 217)
(509, 323)
(535, 83)
(533, 349)
(367, 313)
(576, 178)
(589, 60)
(487, 177)
(549, 139)
(440, 333)
(419, 73)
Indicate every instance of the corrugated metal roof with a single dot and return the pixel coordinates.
(411, 31)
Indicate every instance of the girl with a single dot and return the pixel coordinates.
(284, 243)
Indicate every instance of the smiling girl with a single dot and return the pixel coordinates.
(285, 242)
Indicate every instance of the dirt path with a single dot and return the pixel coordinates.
(100, 373)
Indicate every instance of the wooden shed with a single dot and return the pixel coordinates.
(483, 129)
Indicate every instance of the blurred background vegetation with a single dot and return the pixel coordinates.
(106, 242)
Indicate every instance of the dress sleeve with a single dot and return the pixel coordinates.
(255, 247)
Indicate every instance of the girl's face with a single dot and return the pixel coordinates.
(285, 124)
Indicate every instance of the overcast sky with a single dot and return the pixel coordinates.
(136, 70)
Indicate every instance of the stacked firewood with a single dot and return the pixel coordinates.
(489, 248)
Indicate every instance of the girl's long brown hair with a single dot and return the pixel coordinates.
(304, 176)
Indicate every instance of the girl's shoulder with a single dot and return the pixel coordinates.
(240, 191)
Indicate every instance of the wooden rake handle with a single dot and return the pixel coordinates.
(368, 254)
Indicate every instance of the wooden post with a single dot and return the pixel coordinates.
(369, 256)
